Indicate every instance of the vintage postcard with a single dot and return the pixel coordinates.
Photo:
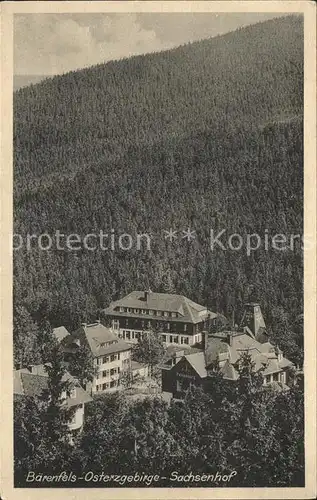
(158, 265)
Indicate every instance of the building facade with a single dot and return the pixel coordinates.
(33, 380)
(224, 349)
(175, 318)
(111, 355)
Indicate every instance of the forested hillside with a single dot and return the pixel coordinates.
(210, 131)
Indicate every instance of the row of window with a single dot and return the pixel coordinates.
(131, 335)
(150, 312)
(108, 373)
(149, 324)
(107, 385)
(275, 377)
(71, 394)
(178, 339)
(108, 359)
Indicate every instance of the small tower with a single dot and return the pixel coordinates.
(253, 321)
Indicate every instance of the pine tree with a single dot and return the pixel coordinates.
(149, 349)
(57, 414)
(25, 338)
(81, 365)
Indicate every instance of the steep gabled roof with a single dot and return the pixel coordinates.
(100, 339)
(264, 356)
(60, 333)
(197, 361)
(229, 372)
(33, 382)
(188, 310)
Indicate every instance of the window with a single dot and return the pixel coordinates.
(174, 315)
(113, 371)
(163, 338)
(105, 360)
(149, 324)
(129, 310)
(72, 393)
(121, 309)
(115, 324)
(168, 326)
(186, 341)
(105, 373)
(73, 419)
(142, 324)
(151, 312)
(171, 339)
(166, 314)
(118, 355)
(128, 335)
(113, 357)
(105, 386)
(176, 340)
(144, 311)
(113, 383)
(137, 311)
(126, 322)
(99, 361)
(185, 327)
(158, 313)
(275, 377)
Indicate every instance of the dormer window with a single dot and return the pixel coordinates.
(144, 311)
(174, 315)
(151, 312)
(72, 393)
(166, 314)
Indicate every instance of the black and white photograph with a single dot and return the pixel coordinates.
(159, 333)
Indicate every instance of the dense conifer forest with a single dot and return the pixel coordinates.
(207, 133)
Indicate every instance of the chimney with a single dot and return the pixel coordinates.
(252, 318)
(204, 339)
(177, 355)
(229, 339)
(146, 294)
(31, 368)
